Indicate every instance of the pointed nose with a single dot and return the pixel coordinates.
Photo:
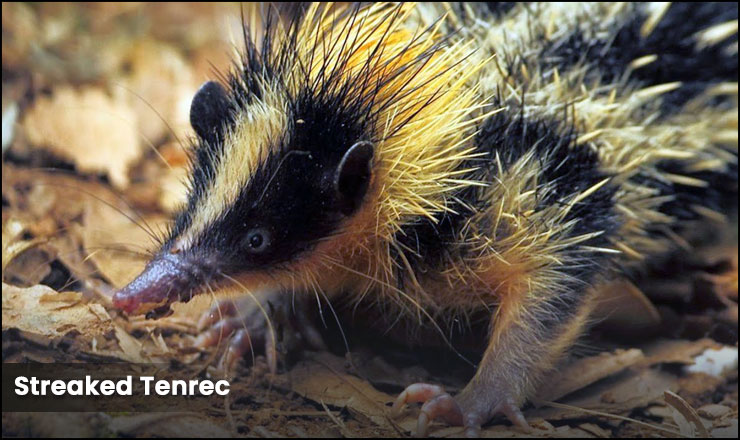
(161, 283)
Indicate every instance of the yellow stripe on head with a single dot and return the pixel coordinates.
(258, 131)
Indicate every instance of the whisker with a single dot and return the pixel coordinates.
(78, 277)
(246, 329)
(215, 301)
(120, 247)
(319, 291)
(268, 320)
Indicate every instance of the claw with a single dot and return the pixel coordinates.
(418, 392)
(271, 353)
(218, 332)
(463, 410)
(442, 407)
(243, 342)
(248, 330)
(512, 412)
(225, 309)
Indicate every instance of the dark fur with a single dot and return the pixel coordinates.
(672, 40)
(569, 167)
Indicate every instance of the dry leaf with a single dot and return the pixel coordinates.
(698, 388)
(10, 115)
(323, 379)
(164, 83)
(595, 430)
(20, 31)
(13, 245)
(55, 425)
(675, 351)
(621, 305)
(173, 189)
(42, 311)
(167, 425)
(30, 267)
(130, 346)
(617, 395)
(713, 411)
(95, 131)
(584, 372)
(685, 416)
(729, 431)
(118, 242)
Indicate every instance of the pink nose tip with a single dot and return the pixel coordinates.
(159, 284)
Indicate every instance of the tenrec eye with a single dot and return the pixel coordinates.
(257, 240)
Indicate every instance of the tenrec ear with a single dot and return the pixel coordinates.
(352, 176)
(210, 110)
